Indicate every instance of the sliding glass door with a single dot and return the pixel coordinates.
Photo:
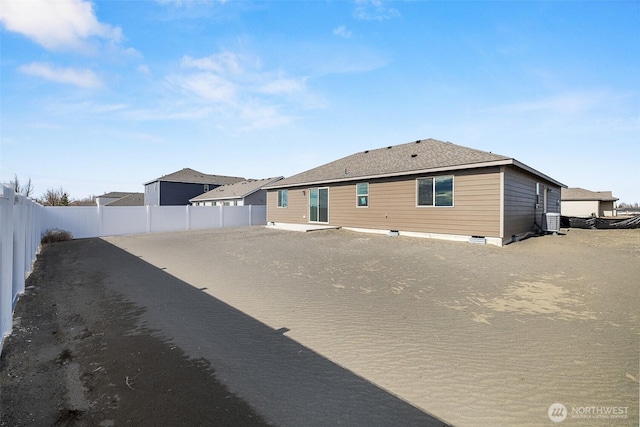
(319, 205)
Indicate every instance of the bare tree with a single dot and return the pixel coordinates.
(55, 197)
(87, 201)
(26, 190)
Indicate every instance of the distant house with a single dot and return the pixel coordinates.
(178, 187)
(584, 203)
(133, 199)
(424, 188)
(244, 193)
(114, 197)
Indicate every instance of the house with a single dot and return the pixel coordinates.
(424, 188)
(579, 202)
(244, 193)
(133, 199)
(113, 196)
(178, 187)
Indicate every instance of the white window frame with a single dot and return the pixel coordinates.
(358, 195)
(280, 194)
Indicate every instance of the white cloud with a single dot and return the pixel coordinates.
(181, 3)
(565, 103)
(374, 10)
(221, 63)
(282, 86)
(57, 24)
(207, 86)
(79, 77)
(342, 31)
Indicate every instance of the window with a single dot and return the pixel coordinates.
(362, 194)
(537, 194)
(282, 198)
(436, 191)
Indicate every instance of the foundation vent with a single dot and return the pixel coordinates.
(478, 239)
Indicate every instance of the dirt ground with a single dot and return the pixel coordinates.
(77, 349)
(262, 327)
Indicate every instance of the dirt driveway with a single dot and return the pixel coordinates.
(254, 326)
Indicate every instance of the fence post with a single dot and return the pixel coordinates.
(188, 211)
(221, 216)
(6, 261)
(100, 221)
(148, 218)
(250, 218)
(19, 244)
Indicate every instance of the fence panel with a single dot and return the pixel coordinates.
(203, 217)
(235, 216)
(167, 218)
(121, 220)
(6, 261)
(19, 242)
(258, 215)
(81, 221)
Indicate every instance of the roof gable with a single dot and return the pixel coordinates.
(192, 176)
(238, 190)
(394, 160)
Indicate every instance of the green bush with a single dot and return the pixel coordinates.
(53, 235)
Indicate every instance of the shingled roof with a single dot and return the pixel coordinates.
(238, 190)
(577, 193)
(428, 155)
(194, 177)
(131, 199)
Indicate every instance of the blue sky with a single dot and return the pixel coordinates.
(106, 95)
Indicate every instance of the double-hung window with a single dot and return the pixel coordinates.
(362, 194)
(436, 191)
(282, 198)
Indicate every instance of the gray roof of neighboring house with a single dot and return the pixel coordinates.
(131, 199)
(238, 190)
(194, 177)
(577, 193)
(423, 156)
(115, 195)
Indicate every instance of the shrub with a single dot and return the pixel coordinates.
(53, 235)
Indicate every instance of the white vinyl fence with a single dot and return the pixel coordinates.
(98, 221)
(22, 223)
(20, 220)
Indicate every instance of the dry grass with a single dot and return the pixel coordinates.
(54, 235)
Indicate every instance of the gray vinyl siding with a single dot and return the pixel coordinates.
(521, 214)
(392, 205)
(152, 194)
(179, 193)
(257, 198)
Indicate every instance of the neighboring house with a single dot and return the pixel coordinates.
(584, 203)
(177, 188)
(424, 188)
(133, 199)
(244, 193)
(114, 196)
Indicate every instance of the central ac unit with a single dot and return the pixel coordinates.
(551, 222)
